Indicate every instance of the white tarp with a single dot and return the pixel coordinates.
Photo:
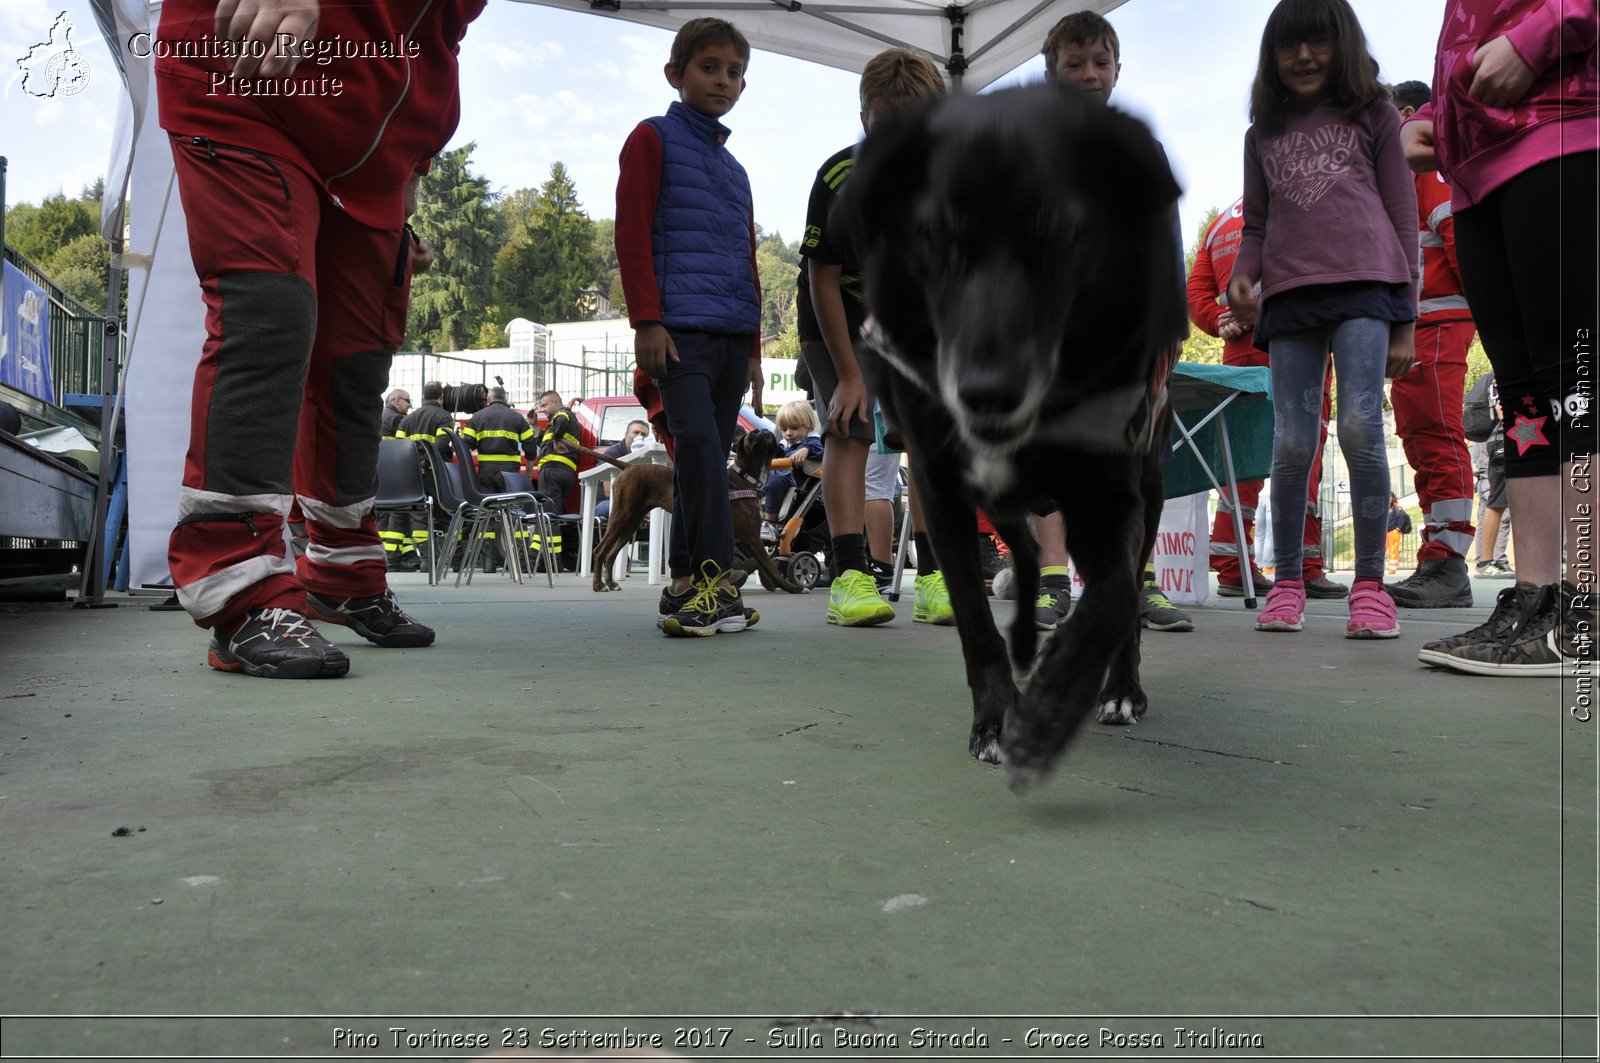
(975, 42)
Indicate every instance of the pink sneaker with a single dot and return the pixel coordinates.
(1372, 614)
(1285, 608)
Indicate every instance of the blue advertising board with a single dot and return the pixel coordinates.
(25, 336)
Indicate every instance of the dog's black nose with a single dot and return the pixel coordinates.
(987, 393)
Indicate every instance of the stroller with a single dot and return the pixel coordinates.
(798, 541)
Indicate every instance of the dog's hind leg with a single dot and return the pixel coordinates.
(953, 530)
(1074, 664)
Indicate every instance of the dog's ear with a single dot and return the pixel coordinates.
(890, 165)
(1121, 165)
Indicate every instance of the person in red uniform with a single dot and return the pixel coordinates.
(298, 134)
(1427, 400)
(1213, 265)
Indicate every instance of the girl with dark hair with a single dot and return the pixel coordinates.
(1327, 263)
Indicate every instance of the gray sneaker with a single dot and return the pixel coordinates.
(1052, 605)
(1158, 613)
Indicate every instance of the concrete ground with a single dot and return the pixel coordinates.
(556, 819)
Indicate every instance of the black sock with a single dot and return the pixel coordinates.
(850, 552)
(927, 564)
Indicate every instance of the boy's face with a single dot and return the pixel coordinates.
(712, 81)
(1088, 68)
(794, 433)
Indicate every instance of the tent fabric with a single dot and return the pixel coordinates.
(976, 42)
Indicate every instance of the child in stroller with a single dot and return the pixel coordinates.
(793, 497)
(797, 424)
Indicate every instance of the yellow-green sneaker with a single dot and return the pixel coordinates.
(933, 601)
(854, 601)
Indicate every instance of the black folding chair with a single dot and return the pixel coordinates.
(400, 486)
(483, 508)
(537, 519)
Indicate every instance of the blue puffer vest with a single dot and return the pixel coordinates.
(701, 235)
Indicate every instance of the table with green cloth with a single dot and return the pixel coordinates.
(1222, 434)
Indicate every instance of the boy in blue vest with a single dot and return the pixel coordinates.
(686, 245)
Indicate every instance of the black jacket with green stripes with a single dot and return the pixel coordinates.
(500, 435)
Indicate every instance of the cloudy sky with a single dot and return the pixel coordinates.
(541, 85)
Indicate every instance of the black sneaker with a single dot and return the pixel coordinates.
(1508, 606)
(378, 619)
(1552, 638)
(1262, 583)
(670, 603)
(277, 644)
(711, 610)
(1438, 583)
(1323, 587)
(882, 574)
(408, 562)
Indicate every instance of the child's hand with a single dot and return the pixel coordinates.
(1416, 140)
(1402, 350)
(1499, 76)
(652, 347)
(1242, 300)
(849, 403)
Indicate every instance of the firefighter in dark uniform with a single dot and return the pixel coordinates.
(395, 409)
(430, 421)
(501, 436)
(558, 465)
(395, 529)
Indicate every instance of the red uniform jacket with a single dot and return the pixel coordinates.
(1213, 267)
(375, 98)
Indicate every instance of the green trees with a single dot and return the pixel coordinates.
(456, 214)
(62, 237)
(549, 255)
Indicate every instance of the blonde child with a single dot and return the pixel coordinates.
(1330, 237)
(797, 421)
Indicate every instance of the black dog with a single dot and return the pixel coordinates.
(1021, 258)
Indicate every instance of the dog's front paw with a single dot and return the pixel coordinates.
(1123, 710)
(984, 743)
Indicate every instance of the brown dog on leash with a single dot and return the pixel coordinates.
(640, 488)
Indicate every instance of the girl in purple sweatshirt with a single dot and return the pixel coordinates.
(1330, 245)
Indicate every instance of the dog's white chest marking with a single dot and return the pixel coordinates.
(992, 471)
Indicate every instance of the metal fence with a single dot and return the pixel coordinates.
(77, 335)
(599, 372)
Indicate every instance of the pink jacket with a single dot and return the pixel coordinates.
(1480, 147)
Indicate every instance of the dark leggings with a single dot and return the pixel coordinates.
(1527, 255)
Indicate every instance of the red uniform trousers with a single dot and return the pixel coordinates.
(1224, 547)
(1427, 418)
(304, 310)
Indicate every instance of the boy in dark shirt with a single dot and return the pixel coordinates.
(832, 308)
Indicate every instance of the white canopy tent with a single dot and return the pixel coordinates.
(976, 42)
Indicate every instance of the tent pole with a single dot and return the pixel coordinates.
(92, 590)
